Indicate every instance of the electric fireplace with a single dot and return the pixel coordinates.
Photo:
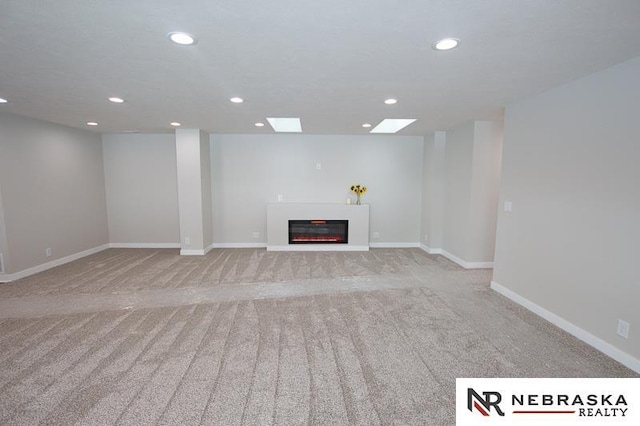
(318, 232)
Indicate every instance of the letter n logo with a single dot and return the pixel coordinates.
(483, 405)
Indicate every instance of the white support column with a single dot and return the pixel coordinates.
(194, 191)
(4, 253)
(437, 189)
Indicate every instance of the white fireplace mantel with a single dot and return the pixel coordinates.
(279, 214)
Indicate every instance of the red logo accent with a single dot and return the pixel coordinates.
(479, 408)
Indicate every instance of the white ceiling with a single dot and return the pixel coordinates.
(330, 62)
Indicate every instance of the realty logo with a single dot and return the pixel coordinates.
(547, 401)
(484, 405)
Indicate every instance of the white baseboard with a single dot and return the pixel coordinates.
(196, 252)
(144, 245)
(456, 259)
(394, 245)
(186, 252)
(604, 347)
(5, 278)
(239, 245)
(313, 247)
(429, 249)
(465, 264)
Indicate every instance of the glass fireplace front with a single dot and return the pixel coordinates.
(318, 232)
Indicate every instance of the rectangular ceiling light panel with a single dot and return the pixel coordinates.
(291, 125)
(392, 125)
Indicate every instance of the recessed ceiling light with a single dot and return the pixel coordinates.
(392, 125)
(183, 39)
(116, 100)
(366, 125)
(259, 124)
(3, 101)
(237, 100)
(391, 101)
(91, 123)
(446, 44)
(176, 124)
(291, 125)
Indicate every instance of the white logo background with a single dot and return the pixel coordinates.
(628, 388)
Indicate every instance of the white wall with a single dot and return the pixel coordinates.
(457, 199)
(141, 188)
(428, 163)
(472, 155)
(433, 187)
(485, 189)
(192, 192)
(571, 168)
(249, 171)
(53, 192)
(205, 182)
(4, 250)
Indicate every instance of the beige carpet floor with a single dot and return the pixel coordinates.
(245, 336)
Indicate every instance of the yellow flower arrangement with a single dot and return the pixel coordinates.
(359, 190)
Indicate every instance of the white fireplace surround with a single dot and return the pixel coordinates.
(279, 214)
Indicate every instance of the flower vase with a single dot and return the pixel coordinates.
(357, 199)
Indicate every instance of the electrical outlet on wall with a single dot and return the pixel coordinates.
(279, 197)
(375, 235)
(256, 235)
(426, 237)
(623, 329)
(187, 241)
(47, 252)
